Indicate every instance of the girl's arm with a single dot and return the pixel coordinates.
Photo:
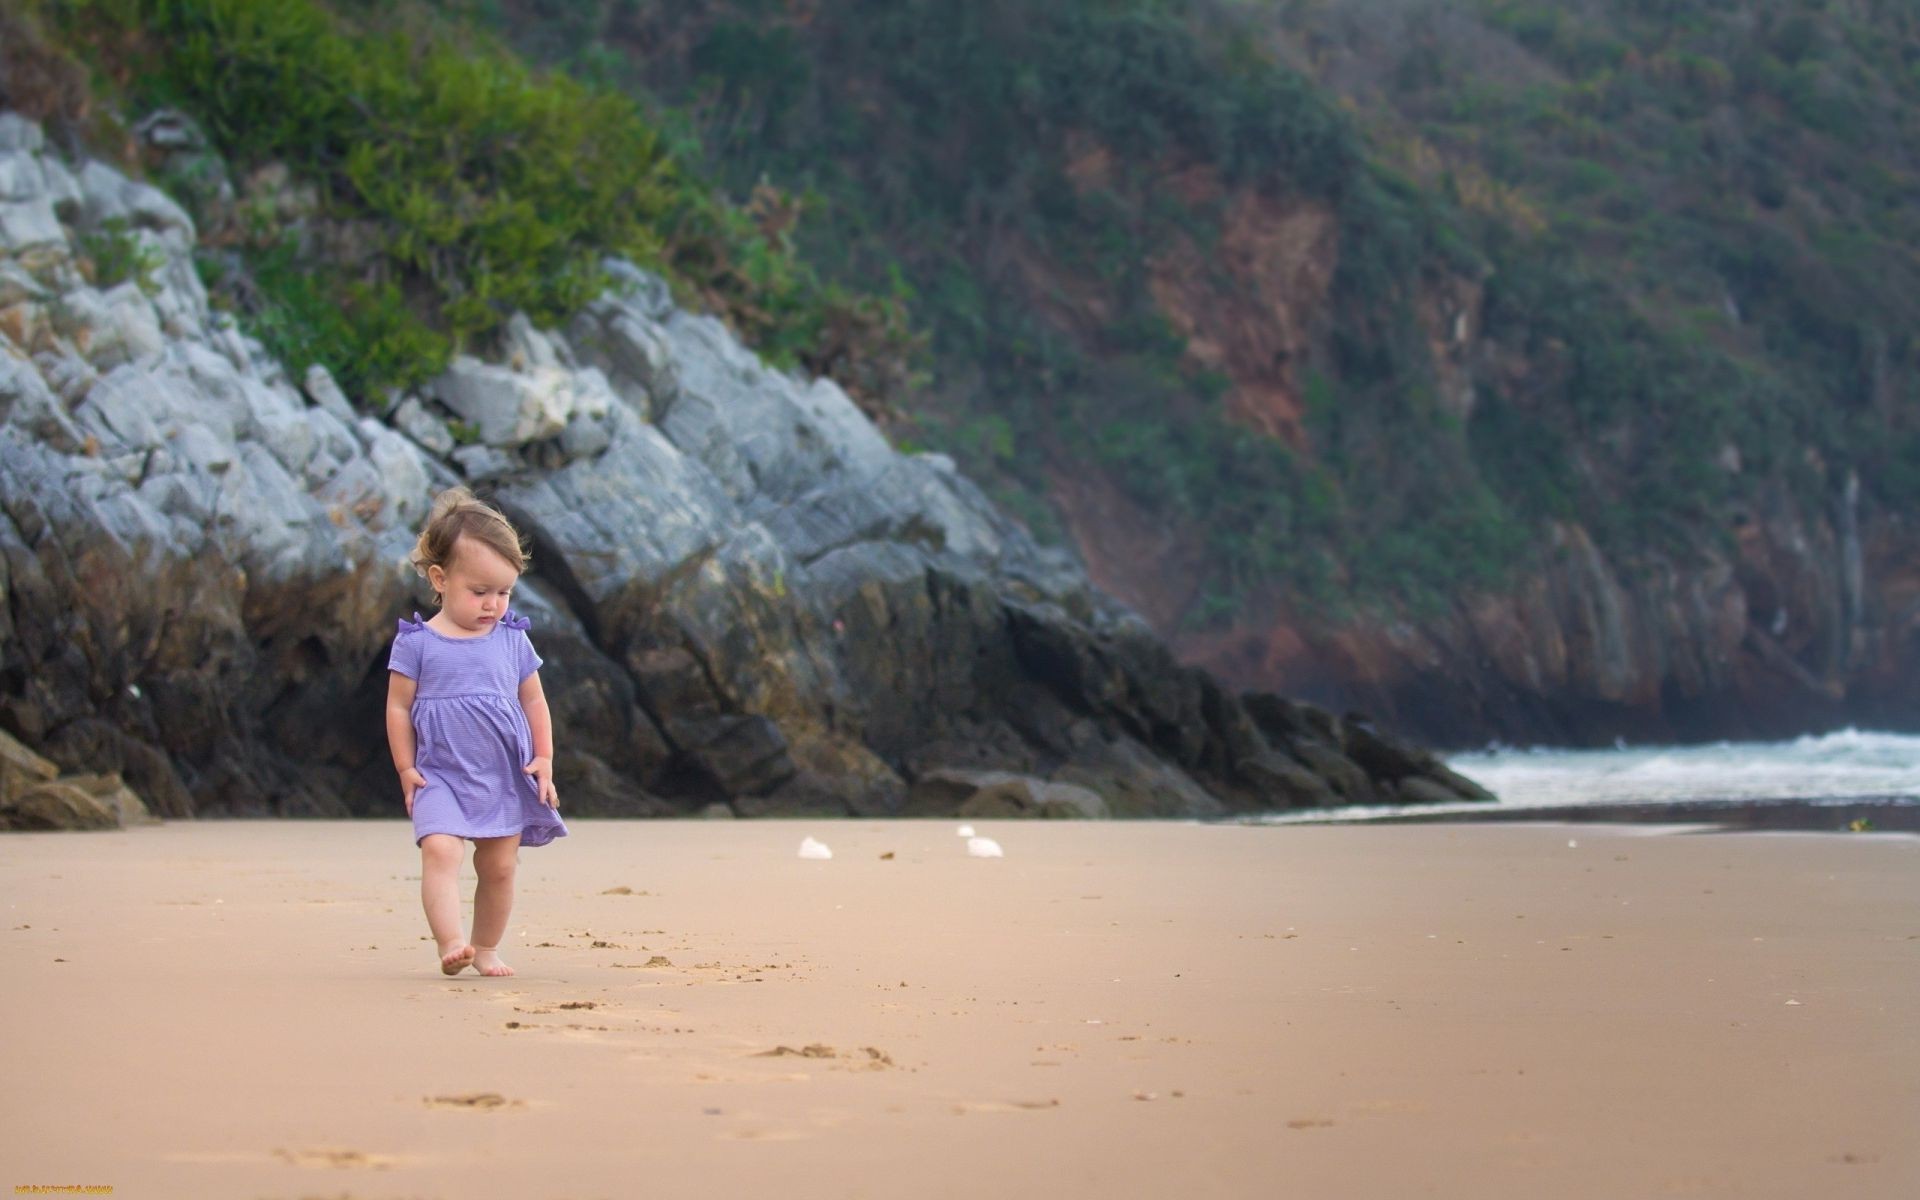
(400, 690)
(533, 699)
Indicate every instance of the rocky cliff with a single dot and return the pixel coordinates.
(1802, 613)
(747, 600)
(1513, 371)
(1812, 623)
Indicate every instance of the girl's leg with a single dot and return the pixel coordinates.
(494, 860)
(440, 855)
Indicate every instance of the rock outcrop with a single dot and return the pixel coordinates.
(1806, 621)
(34, 795)
(744, 595)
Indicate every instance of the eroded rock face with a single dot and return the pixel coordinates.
(746, 599)
(1803, 625)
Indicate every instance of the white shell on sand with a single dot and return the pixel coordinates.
(984, 847)
(812, 849)
(965, 831)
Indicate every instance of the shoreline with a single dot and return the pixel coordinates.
(1885, 814)
(249, 1009)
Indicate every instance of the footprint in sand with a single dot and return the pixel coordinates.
(1004, 1106)
(473, 1101)
(867, 1058)
(815, 1050)
(764, 1135)
(1386, 1108)
(336, 1158)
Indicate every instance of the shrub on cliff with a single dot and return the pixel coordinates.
(485, 187)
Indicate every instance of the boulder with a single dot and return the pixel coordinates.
(56, 805)
(509, 408)
(21, 768)
(984, 795)
(113, 793)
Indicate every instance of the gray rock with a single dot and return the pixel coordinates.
(27, 217)
(107, 195)
(322, 390)
(27, 402)
(170, 129)
(509, 408)
(18, 286)
(481, 464)
(585, 436)
(427, 430)
(18, 134)
(63, 191)
(528, 348)
(645, 292)
(625, 343)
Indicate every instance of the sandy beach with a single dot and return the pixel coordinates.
(251, 1009)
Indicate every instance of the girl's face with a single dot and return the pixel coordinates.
(474, 586)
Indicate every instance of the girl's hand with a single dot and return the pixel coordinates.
(541, 768)
(411, 781)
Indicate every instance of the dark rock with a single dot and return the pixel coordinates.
(1417, 789)
(21, 768)
(113, 794)
(1345, 777)
(1136, 783)
(1286, 783)
(986, 795)
(588, 787)
(56, 805)
(1381, 758)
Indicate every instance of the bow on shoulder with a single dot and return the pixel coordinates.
(413, 626)
(513, 620)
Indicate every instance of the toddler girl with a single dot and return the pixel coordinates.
(469, 728)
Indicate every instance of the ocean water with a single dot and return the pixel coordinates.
(1818, 781)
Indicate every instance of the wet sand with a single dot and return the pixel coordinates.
(251, 1009)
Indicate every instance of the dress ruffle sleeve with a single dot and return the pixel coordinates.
(406, 650)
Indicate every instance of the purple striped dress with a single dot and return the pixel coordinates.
(471, 738)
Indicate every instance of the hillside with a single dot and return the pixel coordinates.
(1505, 370)
(1311, 324)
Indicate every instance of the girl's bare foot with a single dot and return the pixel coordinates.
(453, 961)
(487, 962)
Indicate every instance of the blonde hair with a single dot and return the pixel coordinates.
(458, 513)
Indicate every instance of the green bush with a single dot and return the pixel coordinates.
(492, 188)
(118, 254)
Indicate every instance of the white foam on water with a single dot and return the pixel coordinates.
(1849, 763)
(1834, 767)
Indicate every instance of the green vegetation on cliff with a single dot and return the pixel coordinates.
(1688, 228)
(1639, 265)
(451, 184)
